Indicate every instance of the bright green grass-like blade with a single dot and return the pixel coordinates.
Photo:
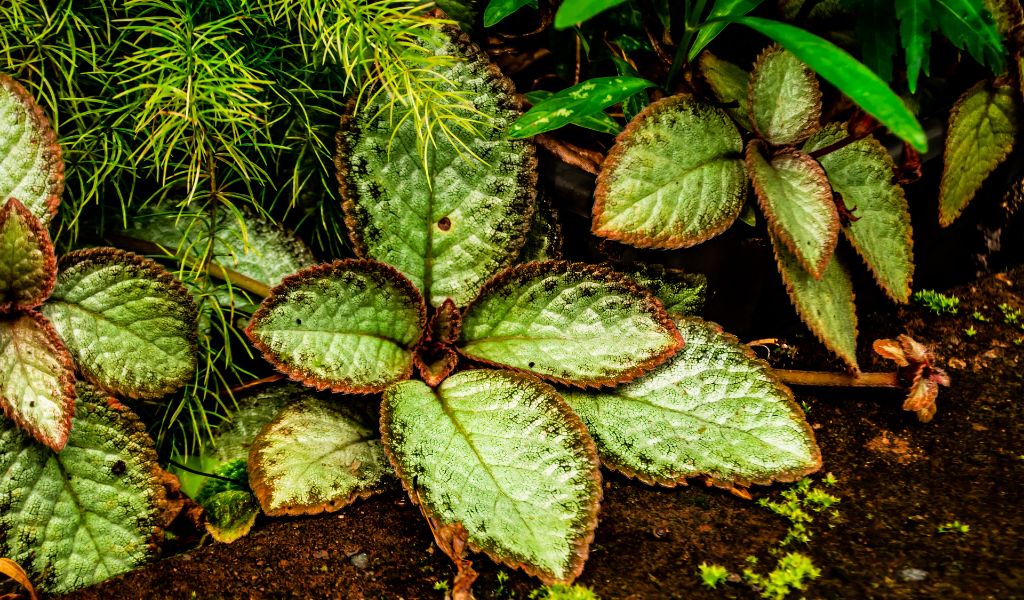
(569, 322)
(580, 101)
(862, 174)
(785, 101)
(731, 84)
(130, 326)
(92, 511)
(31, 167)
(28, 267)
(657, 428)
(983, 129)
(674, 178)
(348, 326)
(723, 9)
(316, 456)
(849, 75)
(502, 455)
(37, 378)
(574, 12)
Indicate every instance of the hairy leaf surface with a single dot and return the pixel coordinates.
(229, 506)
(714, 410)
(731, 84)
(785, 100)
(569, 322)
(674, 177)
(28, 267)
(31, 166)
(92, 511)
(37, 378)
(129, 324)
(825, 304)
(794, 194)
(347, 326)
(682, 293)
(983, 129)
(862, 174)
(502, 455)
(451, 226)
(316, 456)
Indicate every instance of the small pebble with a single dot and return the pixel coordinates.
(913, 575)
(660, 532)
(360, 561)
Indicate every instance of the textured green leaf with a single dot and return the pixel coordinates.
(658, 427)
(968, 24)
(31, 166)
(682, 293)
(573, 12)
(497, 10)
(722, 9)
(674, 177)
(916, 26)
(598, 121)
(449, 232)
(37, 378)
(731, 85)
(502, 455)
(862, 174)
(129, 324)
(785, 100)
(569, 322)
(230, 506)
(316, 456)
(348, 326)
(28, 267)
(544, 240)
(983, 128)
(794, 194)
(825, 305)
(92, 511)
(582, 100)
(846, 73)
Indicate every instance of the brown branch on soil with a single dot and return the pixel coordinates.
(833, 379)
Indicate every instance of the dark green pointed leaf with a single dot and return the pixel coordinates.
(37, 378)
(229, 506)
(33, 169)
(983, 129)
(598, 121)
(968, 24)
(876, 32)
(573, 12)
(636, 103)
(497, 10)
(129, 324)
(825, 305)
(658, 427)
(569, 322)
(916, 26)
(794, 194)
(347, 326)
(682, 293)
(846, 73)
(502, 455)
(674, 178)
(862, 174)
(731, 85)
(316, 456)
(724, 10)
(448, 231)
(93, 511)
(785, 100)
(28, 267)
(584, 99)
(544, 240)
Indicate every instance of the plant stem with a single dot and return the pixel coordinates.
(177, 464)
(831, 379)
(210, 268)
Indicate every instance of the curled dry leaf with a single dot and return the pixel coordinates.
(916, 368)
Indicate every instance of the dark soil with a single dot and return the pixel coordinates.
(899, 480)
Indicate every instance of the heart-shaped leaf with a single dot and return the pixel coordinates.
(28, 267)
(983, 128)
(450, 229)
(862, 174)
(682, 293)
(503, 456)
(33, 169)
(825, 304)
(129, 324)
(657, 428)
(316, 456)
(91, 512)
(37, 378)
(785, 100)
(228, 503)
(348, 326)
(674, 177)
(569, 322)
(796, 198)
(731, 85)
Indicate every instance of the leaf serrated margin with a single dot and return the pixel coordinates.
(42, 126)
(812, 119)
(41, 237)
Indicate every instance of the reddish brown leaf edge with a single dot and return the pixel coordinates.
(14, 209)
(42, 125)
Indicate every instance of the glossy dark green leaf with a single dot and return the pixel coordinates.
(573, 12)
(598, 121)
(497, 10)
(581, 100)
(876, 32)
(916, 26)
(968, 24)
(725, 10)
